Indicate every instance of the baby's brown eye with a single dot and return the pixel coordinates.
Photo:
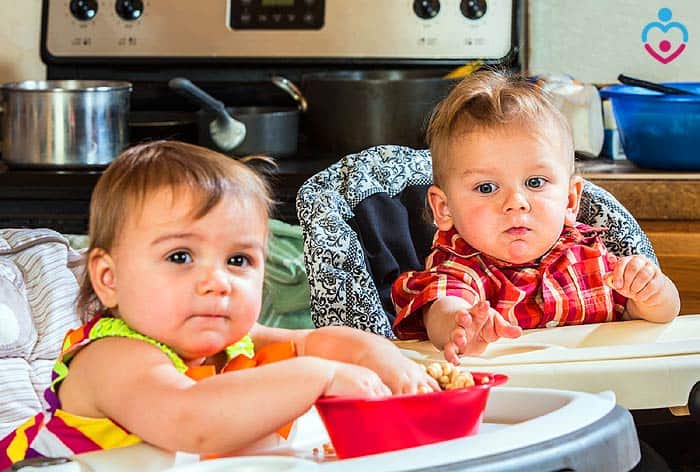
(180, 257)
(238, 261)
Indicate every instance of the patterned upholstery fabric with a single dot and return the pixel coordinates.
(38, 287)
(348, 284)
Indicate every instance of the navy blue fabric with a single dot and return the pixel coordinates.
(395, 236)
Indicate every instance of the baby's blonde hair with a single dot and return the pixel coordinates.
(490, 100)
(142, 170)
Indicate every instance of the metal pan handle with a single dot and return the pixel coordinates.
(291, 88)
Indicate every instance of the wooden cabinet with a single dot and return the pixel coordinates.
(677, 245)
(667, 206)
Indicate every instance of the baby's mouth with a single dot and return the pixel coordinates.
(207, 315)
(518, 230)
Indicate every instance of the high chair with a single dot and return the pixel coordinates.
(365, 220)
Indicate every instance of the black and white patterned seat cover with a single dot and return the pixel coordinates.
(364, 221)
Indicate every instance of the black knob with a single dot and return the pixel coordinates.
(694, 402)
(83, 10)
(426, 9)
(129, 9)
(473, 9)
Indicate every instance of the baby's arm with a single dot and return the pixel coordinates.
(652, 296)
(136, 385)
(459, 328)
(352, 346)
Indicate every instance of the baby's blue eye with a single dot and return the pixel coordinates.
(238, 260)
(536, 182)
(180, 257)
(486, 188)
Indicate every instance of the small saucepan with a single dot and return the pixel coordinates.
(268, 130)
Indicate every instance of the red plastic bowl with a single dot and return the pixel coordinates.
(361, 426)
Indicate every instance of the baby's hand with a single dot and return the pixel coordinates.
(403, 375)
(354, 380)
(636, 278)
(475, 329)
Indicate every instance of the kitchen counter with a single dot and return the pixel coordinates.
(667, 206)
(647, 193)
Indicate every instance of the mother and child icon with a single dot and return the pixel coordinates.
(663, 51)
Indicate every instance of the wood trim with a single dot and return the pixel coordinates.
(657, 199)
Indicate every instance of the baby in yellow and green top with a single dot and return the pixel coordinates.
(172, 292)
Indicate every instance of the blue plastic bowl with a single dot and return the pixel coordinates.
(658, 130)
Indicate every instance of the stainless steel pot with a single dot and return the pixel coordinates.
(64, 123)
(353, 110)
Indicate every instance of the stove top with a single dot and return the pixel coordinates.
(231, 49)
(60, 198)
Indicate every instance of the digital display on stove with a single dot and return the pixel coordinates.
(277, 14)
(277, 3)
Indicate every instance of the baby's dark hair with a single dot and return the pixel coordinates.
(489, 100)
(142, 170)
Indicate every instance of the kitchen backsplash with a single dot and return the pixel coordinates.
(595, 40)
(20, 24)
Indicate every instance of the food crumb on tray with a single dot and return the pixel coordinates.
(328, 450)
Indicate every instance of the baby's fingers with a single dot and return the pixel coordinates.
(417, 381)
(643, 276)
(459, 338)
(428, 385)
(467, 328)
(632, 275)
(652, 288)
(616, 278)
(463, 319)
(504, 329)
(480, 313)
(381, 390)
(451, 353)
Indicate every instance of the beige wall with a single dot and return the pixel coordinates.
(20, 28)
(595, 40)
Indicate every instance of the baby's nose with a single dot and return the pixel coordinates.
(516, 201)
(214, 281)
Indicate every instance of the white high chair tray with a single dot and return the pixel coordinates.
(536, 430)
(647, 365)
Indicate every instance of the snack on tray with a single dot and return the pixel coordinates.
(448, 376)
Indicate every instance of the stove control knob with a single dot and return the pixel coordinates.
(83, 10)
(129, 9)
(426, 9)
(473, 9)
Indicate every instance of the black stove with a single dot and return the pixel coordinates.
(231, 48)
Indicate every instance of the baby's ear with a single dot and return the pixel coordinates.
(441, 211)
(574, 200)
(102, 276)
